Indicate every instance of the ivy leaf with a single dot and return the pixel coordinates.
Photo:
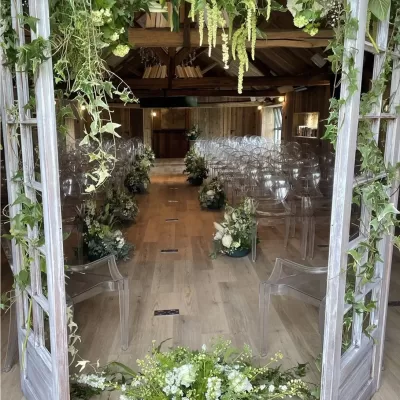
(379, 8)
(389, 209)
(28, 20)
(110, 128)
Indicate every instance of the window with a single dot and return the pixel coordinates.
(277, 124)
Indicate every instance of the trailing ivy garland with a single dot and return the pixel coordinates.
(375, 195)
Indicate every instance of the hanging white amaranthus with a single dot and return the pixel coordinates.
(219, 17)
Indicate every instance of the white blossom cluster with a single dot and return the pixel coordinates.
(181, 376)
(101, 17)
(92, 380)
(213, 388)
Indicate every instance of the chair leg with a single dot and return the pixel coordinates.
(293, 227)
(287, 231)
(304, 237)
(12, 346)
(311, 238)
(254, 244)
(124, 312)
(264, 303)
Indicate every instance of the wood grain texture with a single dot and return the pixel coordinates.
(215, 297)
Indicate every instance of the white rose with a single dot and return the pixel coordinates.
(218, 235)
(186, 374)
(227, 241)
(218, 227)
(271, 388)
(210, 193)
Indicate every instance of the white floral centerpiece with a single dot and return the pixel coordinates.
(195, 167)
(212, 195)
(235, 233)
(138, 178)
(223, 373)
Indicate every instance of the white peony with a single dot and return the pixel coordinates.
(218, 227)
(239, 382)
(227, 241)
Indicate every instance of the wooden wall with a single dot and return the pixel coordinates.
(227, 121)
(315, 99)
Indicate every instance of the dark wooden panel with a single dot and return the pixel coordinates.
(170, 143)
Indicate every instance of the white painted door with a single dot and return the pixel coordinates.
(354, 374)
(29, 136)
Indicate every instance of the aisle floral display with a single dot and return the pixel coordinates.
(99, 235)
(121, 205)
(235, 233)
(195, 167)
(223, 373)
(193, 133)
(138, 178)
(212, 195)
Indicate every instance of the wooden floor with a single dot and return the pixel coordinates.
(214, 297)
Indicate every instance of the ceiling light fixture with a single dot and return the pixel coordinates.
(259, 107)
(281, 99)
(154, 114)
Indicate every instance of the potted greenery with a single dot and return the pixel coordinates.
(212, 195)
(100, 238)
(122, 205)
(192, 134)
(138, 178)
(222, 372)
(235, 233)
(195, 168)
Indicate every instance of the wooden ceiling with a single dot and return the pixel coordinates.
(284, 59)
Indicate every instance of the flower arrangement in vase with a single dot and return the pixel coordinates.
(193, 133)
(195, 167)
(212, 195)
(222, 372)
(99, 234)
(235, 233)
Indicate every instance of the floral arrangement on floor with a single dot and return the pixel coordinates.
(182, 374)
(121, 205)
(212, 195)
(195, 167)
(99, 235)
(235, 233)
(193, 133)
(138, 178)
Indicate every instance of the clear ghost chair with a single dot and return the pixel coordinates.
(304, 283)
(271, 193)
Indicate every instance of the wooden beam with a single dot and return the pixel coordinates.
(162, 55)
(205, 93)
(171, 66)
(227, 81)
(264, 69)
(182, 54)
(152, 37)
(186, 27)
(209, 67)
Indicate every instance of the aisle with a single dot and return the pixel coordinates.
(214, 297)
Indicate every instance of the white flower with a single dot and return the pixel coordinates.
(210, 193)
(240, 382)
(213, 388)
(114, 37)
(186, 374)
(121, 50)
(271, 388)
(204, 347)
(218, 227)
(262, 387)
(283, 387)
(92, 380)
(227, 241)
(218, 236)
(234, 216)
